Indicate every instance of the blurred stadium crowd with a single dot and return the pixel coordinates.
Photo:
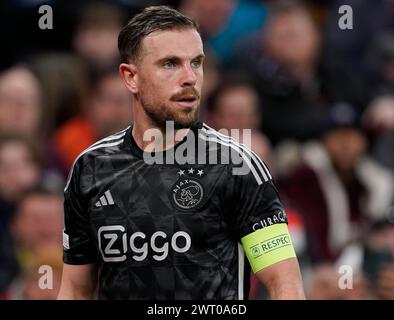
(319, 100)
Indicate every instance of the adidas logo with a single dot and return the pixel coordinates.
(105, 200)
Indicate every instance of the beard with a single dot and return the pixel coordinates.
(160, 111)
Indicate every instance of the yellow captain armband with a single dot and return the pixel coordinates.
(267, 246)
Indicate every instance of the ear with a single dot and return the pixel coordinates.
(128, 72)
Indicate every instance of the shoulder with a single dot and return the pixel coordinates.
(241, 160)
(106, 146)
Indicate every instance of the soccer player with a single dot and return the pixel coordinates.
(142, 229)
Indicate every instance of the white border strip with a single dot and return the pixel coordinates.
(265, 172)
(113, 137)
(241, 271)
(236, 148)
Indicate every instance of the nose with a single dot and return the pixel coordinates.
(189, 76)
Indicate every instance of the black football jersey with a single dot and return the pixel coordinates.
(168, 230)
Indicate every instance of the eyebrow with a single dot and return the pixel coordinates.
(176, 58)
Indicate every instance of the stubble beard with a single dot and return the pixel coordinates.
(160, 112)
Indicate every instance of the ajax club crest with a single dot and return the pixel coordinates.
(188, 192)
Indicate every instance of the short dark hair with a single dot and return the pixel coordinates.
(151, 19)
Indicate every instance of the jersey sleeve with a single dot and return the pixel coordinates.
(258, 218)
(254, 200)
(78, 243)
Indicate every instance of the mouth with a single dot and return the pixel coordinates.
(187, 101)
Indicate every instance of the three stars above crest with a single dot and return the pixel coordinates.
(191, 171)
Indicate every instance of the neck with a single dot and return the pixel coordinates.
(150, 137)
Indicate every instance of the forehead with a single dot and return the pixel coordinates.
(19, 79)
(182, 43)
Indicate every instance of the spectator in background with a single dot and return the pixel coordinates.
(383, 149)
(283, 59)
(107, 111)
(36, 230)
(27, 285)
(64, 81)
(20, 102)
(212, 16)
(379, 58)
(336, 187)
(379, 116)
(96, 35)
(324, 285)
(20, 169)
(9, 267)
(21, 113)
(235, 104)
(38, 221)
(358, 62)
(225, 22)
(378, 121)
(211, 81)
(372, 258)
(378, 257)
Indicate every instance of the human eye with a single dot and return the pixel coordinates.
(168, 64)
(196, 63)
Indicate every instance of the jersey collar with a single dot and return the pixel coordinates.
(129, 141)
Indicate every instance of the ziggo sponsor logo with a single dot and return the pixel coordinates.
(114, 243)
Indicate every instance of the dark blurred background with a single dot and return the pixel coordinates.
(319, 101)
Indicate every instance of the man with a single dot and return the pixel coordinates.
(170, 230)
